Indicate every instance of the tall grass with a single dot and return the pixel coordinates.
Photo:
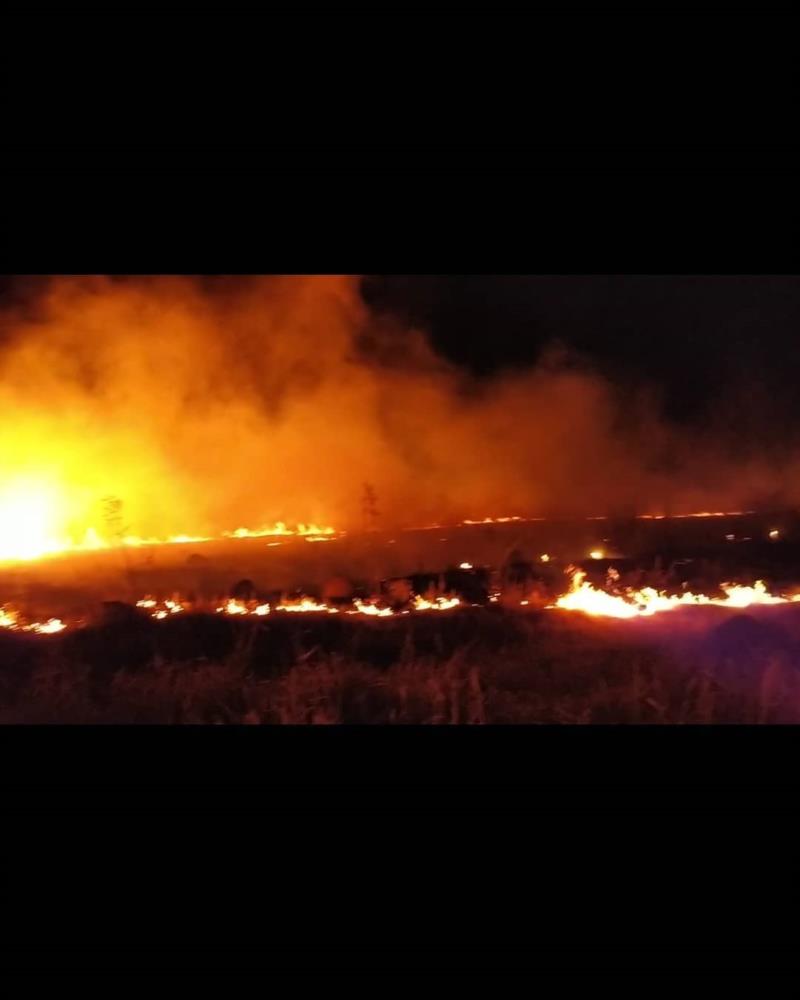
(546, 677)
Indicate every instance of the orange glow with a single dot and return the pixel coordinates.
(279, 528)
(35, 519)
(8, 618)
(582, 596)
(437, 604)
(49, 627)
(305, 604)
(11, 619)
(365, 608)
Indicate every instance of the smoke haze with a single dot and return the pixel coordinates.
(208, 404)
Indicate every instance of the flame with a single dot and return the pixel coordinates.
(305, 604)
(280, 528)
(10, 618)
(29, 520)
(49, 627)
(233, 607)
(584, 597)
(38, 517)
(437, 604)
(702, 513)
(370, 609)
(497, 520)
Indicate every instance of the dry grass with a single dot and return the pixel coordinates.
(544, 674)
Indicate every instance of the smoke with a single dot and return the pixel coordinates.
(208, 404)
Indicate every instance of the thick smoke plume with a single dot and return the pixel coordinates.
(207, 404)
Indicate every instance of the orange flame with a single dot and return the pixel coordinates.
(584, 597)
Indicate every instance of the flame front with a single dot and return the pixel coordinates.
(584, 597)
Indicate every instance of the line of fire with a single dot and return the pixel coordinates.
(273, 500)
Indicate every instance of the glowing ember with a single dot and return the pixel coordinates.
(774, 534)
(544, 557)
(596, 554)
(465, 565)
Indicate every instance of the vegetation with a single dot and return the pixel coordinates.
(459, 669)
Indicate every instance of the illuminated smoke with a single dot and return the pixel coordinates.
(222, 406)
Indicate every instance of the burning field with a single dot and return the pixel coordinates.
(523, 640)
(255, 501)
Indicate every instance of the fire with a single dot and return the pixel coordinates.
(437, 604)
(370, 609)
(582, 596)
(702, 513)
(8, 618)
(233, 607)
(11, 619)
(499, 520)
(28, 531)
(49, 627)
(30, 520)
(305, 604)
(281, 528)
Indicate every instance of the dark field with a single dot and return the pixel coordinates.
(473, 665)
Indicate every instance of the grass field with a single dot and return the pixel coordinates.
(478, 667)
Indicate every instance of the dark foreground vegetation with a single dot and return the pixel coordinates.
(473, 666)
